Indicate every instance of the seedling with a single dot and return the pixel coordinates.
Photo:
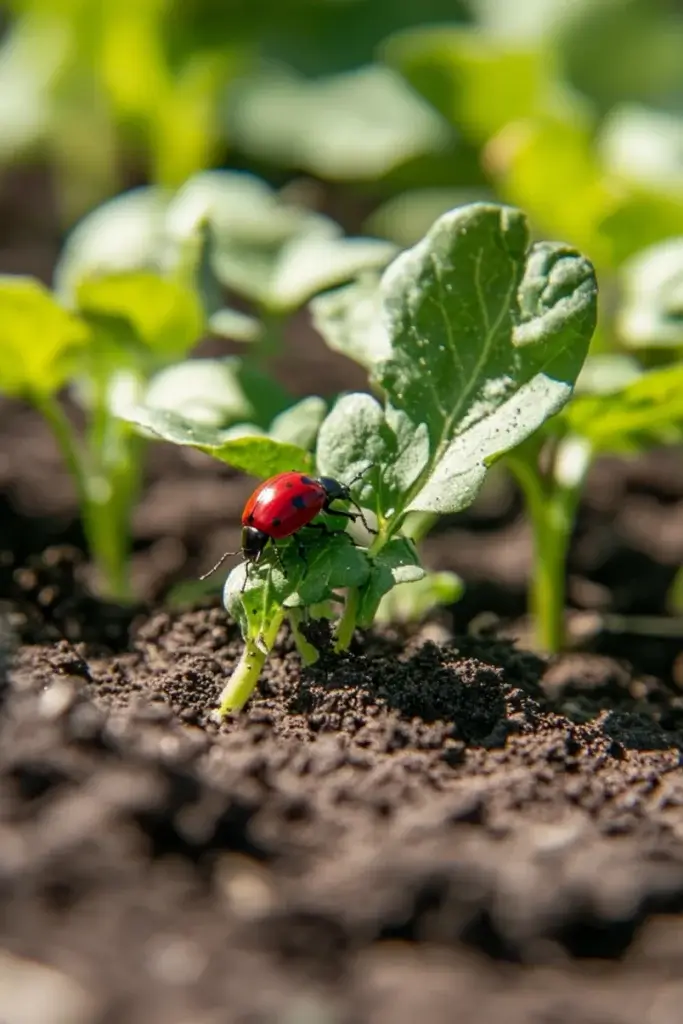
(620, 410)
(473, 338)
(119, 329)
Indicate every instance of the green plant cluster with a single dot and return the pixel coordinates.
(483, 337)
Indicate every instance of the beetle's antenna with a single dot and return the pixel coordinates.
(355, 504)
(370, 465)
(226, 554)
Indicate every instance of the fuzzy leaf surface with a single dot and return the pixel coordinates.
(488, 335)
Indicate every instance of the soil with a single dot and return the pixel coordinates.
(440, 825)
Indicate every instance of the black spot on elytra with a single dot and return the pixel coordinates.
(298, 501)
(250, 517)
(306, 480)
(276, 522)
(289, 485)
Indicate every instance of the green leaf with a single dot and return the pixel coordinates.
(388, 452)
(397, 562)
(124, 234)
(488, 336)
(300, 423)
(310, 264)
(38, 338)
(331, 562)
(265, 248)
(480, 84)
(250, 452)
(357, 125)
(163, 313)
(216, 393)
(608, 217)
(647, 411)
(651, 314)
(412, 602)
(644, 146)
(349, 319)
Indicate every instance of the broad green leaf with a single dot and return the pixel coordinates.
(651, 314)
(412, 602)
(480, 84)
(310, 264)
(647, 411)
(215, 393)
(300, 423)
(163, 313)
(39, 340)
(397, 562)
(349, 319)
(332, 562)
(124, 234)
(357, 125)
(386, 452)
(488, 336)
(249, 225)
(253, 453)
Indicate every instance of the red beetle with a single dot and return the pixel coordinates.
(283, 504)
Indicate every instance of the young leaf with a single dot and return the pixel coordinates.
(646, 411)
(412, 602)
(349, 319)
(652, 309)
(300, 423)
(162, 312)
(356, 125)
(217, 393)
(124, 234)
(314, 262)
(488, 336)
(480, 84)
(328, 563)
(251, 452)
(38, 338)
(396, 563)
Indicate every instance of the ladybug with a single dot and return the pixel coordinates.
(284, 504)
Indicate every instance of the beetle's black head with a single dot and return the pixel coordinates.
(334, 490)
(253, 543)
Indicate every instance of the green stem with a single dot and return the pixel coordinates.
(67, 440)
(105, 495)
(418, 525)
(308, 653)
(245, 676)
(243, 680)
(347, 623)
(551, 505)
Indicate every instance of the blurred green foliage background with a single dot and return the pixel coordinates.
(570, 109)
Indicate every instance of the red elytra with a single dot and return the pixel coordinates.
(283, 504)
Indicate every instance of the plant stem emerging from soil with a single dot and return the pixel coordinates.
(243, 680)
(551, 500)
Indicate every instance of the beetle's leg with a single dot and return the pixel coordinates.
(351, 515)
(325, 529)
(278, 559)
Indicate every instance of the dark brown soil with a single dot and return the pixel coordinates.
(439, 827)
